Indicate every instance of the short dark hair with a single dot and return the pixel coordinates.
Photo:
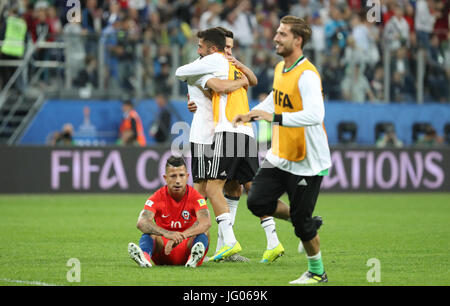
(228, 33)
(299, 27)
(175, 161)
(213, 37)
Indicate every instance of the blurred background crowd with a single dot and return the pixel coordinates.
(135, 45)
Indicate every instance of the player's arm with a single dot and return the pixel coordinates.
(226, 86)
(196, 69)
(147, 225)
(202, 224)
(263, 111)
(252, 79)
(313, 112)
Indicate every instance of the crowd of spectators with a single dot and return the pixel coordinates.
(347, 46)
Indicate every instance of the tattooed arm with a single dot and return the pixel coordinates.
(202, 224)
(147, 226)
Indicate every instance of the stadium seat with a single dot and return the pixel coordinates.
(347, 131)
(418, 129)
(383, 127)
(447, 133)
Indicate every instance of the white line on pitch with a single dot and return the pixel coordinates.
(36, 283)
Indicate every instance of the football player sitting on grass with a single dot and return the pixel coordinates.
(174, 222)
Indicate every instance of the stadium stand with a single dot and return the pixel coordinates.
(347, 132)
(130, 49)
(383, 127)
(419, 129)
(447, 133)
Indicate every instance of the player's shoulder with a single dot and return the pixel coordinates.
(154, 200)
(215, 58)
(309, 75)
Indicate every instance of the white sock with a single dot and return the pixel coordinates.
(226, 228)
(315, 257)
(219, 240)
(233, 206)
(268, 224)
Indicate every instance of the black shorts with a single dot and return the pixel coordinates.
(270, 183)
(235, 157)
(199, 161)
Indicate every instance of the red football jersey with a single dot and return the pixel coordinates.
(172, 215)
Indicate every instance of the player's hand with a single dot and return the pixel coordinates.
(253, 115)
(192, 107)
(241, 119)
(235, 62)
(177, 237)
(261, 115)
(245, 80)
(169, 247)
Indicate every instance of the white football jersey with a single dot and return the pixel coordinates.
(202, 126)
(213, 66)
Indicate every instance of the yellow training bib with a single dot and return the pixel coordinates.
(237, 101)
(289, 142)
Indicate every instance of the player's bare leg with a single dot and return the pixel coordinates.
(200, 186)
(214, 192)
(282, 211)
(233, 188)
(312, 247)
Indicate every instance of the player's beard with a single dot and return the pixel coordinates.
(285, 50)
(208, 52)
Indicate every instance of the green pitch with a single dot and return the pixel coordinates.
(408, 234)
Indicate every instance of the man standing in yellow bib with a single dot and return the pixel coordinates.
(300, 155)
(13, 46)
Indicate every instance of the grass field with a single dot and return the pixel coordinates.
(408, 233)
